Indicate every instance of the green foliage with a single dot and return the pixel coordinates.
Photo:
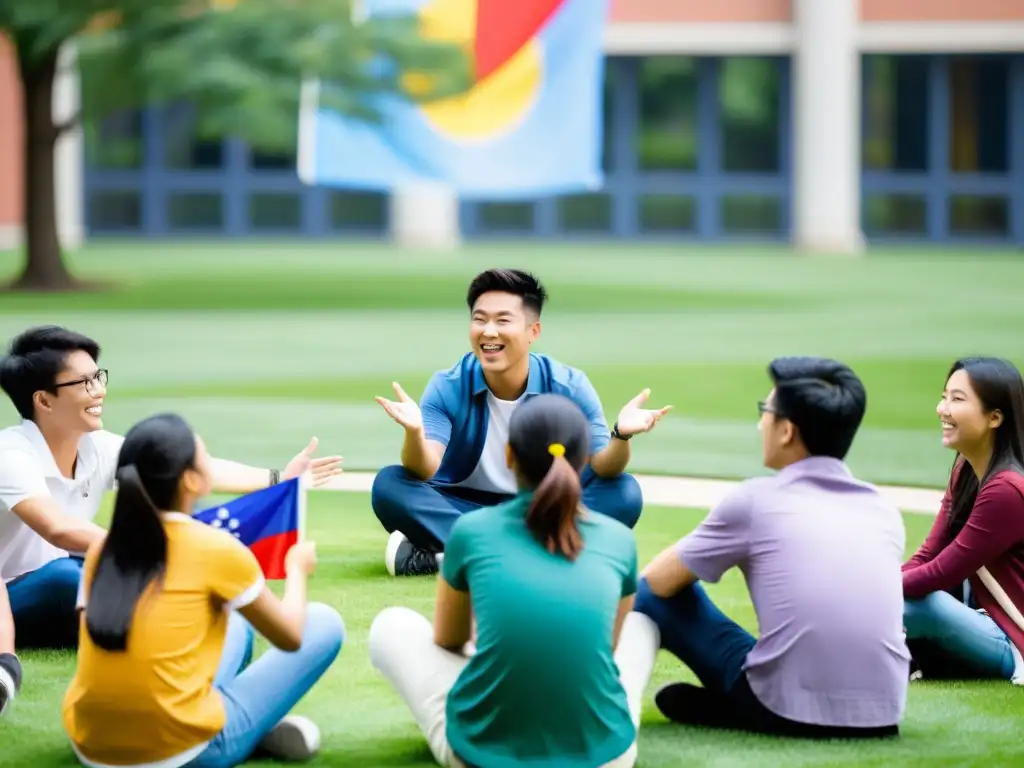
(243, 66)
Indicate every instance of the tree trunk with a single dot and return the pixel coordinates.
(44, 267)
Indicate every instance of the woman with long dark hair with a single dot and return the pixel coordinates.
(560, 662)
(964, 588)
(168, 610)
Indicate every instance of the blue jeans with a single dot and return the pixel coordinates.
(426, 511)
(971, 641)
(258, 695)
(696, 632)
(43, 605)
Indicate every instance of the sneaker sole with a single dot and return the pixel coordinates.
(396, 540)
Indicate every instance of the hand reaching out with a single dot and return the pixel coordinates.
(405, 411)
(634, 418)
(321, 470)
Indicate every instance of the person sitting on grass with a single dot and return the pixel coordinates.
(168, 610)
(976, 545)
(56, 466)
(10, 666)
(561, 663)
(821, 553)
(454, 448)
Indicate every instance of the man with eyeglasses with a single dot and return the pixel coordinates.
(55, 467)
(821, 552)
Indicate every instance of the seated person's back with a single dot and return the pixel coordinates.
(823, 556)
(544, 674)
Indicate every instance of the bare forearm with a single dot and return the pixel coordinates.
(418, 458)
(75, 536)
(295, 600)
(612, 460)
(232, 477)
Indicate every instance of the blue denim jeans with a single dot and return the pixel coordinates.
(972, 641)
(258, 695)
(43, 605)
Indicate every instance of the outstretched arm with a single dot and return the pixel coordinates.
(233, 477)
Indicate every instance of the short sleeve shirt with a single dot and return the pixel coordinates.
(543, 688)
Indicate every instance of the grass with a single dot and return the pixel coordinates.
(365, 723)
(262, 345)
(299, 338)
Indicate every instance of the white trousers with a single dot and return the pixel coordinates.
(402, 649)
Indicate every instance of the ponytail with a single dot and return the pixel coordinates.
(133, 555)
(555, 505)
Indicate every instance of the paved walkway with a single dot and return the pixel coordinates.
(666, 491)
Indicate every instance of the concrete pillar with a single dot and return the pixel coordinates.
(69, 152)
(425, 216)
(826, 147)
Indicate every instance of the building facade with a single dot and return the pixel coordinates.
(822, 123)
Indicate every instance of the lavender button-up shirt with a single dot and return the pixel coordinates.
(821, 552)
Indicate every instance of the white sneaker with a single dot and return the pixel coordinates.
(401, 558)
(294, 738)
(7, 689)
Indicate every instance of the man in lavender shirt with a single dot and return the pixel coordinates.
(821, 553)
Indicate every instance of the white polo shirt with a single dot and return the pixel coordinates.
(27, 469)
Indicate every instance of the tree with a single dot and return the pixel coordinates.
(241, 63)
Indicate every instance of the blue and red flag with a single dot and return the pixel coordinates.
(269, 522)
(530, 124)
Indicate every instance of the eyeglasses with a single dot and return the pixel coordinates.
(100, 377)
(764, 407)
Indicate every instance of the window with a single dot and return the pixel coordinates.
(896, 214)
(195, 210)
(979, 119)
(115, 210)
(748, 97)
(895, 135)
(751, 214)
(275, 211)
(115, 142)
(667, 213)
(358, 210)
(506, 217)
(667, 131)
(585, 213)
(183, 147)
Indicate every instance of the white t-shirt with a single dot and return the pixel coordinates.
(27, 469)
(492, 472)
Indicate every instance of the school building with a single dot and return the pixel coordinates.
(820, 122)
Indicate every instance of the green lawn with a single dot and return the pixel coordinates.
(262, 345)
(364, 723)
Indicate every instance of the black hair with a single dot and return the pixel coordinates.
(824, 400)
(35, 358)
(514, 281)
(998, 385)
(550, 440)
(155, 454)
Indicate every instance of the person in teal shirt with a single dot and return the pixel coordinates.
(535, 656)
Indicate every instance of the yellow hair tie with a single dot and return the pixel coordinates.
(556, 450)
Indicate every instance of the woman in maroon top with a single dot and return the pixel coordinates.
(976, 546)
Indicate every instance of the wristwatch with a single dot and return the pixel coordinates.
(618, 435)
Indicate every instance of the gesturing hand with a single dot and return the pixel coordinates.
(634, 419)
(405, 411)
(321, 470)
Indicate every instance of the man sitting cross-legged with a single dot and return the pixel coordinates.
(454, 453)
(56, 466)
(821, 554)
